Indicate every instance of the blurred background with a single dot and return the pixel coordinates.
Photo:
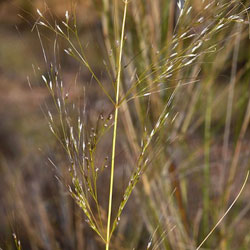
(170, 203)
(25, 142)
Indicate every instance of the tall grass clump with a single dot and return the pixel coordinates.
(163, 61)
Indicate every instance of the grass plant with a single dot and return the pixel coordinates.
(163, 63)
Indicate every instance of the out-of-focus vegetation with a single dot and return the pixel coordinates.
(183, 124)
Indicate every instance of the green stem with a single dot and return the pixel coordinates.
(118, 80)
(207, 158)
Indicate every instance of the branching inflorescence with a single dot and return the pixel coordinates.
(192, 39)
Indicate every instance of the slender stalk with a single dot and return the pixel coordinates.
(225, 152)
(207, 145)
(227, 211)
(118, 81)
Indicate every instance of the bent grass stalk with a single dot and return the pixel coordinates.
(227, 211)
(118, 81)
